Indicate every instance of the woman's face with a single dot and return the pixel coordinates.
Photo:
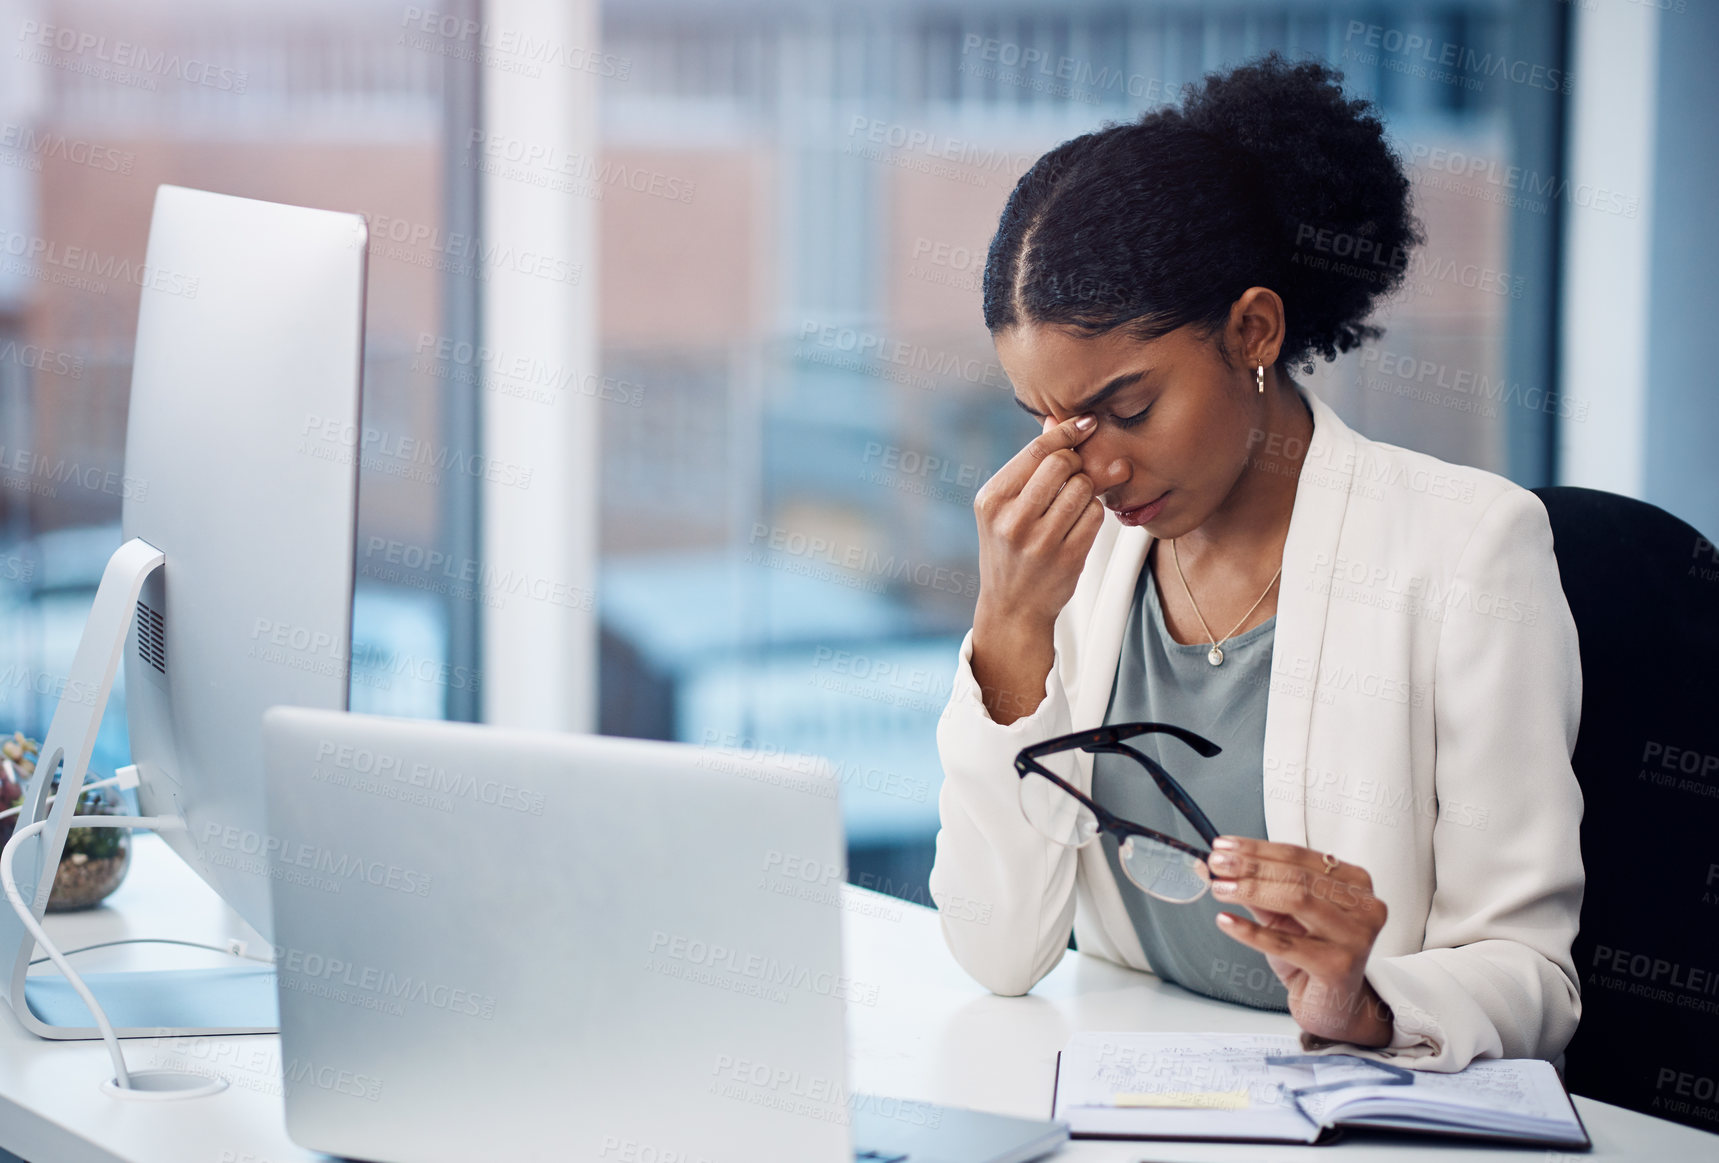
(1174, 423)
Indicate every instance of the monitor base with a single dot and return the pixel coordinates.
(175, 1003)
(36, 847)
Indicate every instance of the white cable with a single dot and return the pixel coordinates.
(108, 782)
(233, 948)
(28, 916)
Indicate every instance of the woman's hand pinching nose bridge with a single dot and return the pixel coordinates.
(1082, 425)
(1037, 517)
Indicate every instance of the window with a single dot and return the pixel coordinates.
(319, 105)
(790, 562)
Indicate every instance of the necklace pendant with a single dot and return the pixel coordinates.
(1215, 656)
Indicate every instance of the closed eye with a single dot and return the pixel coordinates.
(1131, 421)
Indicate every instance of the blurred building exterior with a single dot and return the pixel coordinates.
(795, 202)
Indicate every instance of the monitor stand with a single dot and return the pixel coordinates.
(143, 1004)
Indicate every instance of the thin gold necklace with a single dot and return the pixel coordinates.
(1215, 656)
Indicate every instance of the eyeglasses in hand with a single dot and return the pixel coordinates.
(1162, 866)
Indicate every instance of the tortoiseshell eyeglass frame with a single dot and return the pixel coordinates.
(1108, 740)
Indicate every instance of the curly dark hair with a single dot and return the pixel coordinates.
(1267, 175)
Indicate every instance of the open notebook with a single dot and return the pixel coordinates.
(1261, 1087)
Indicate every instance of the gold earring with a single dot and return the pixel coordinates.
(1259, 378)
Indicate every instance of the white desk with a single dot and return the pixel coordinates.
(933, 1035)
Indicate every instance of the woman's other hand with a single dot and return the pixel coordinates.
(1315, 927)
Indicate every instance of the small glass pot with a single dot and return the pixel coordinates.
(95, 860)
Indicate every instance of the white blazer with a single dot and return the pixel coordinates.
(1422, 712)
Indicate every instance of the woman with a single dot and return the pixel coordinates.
(1377, 641)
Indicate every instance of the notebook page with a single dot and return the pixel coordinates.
(1522, 1095)
(1182, 1086)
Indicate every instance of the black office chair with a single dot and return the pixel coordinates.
(1644, 589)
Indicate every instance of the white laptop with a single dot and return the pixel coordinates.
(504, 945)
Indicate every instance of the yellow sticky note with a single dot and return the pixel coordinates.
(1217, 1100)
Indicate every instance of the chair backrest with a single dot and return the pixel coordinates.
(1644, 590)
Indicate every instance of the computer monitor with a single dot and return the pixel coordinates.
(239, 519)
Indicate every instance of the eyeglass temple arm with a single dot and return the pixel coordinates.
(1394, 1075)
(1099, 736)
(1203, 746)
(1172, 790)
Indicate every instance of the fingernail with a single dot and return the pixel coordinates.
(1226, 920)
(1224, 886)
(1224, 842)
(1085, 422)
(1221, 860)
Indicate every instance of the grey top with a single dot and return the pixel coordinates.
(1161, 680)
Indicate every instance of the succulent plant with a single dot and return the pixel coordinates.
(18, 757)
(22, 750)
(97, 843)
(95, 859)
(17, 764)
